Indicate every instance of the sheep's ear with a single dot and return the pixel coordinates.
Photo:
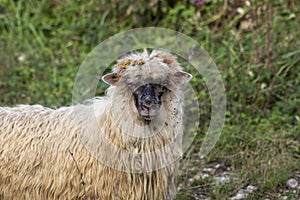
(111, 78)
(182, 77)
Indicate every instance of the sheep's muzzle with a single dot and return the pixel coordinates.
(148, 100)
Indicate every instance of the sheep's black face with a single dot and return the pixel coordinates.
(147, 100)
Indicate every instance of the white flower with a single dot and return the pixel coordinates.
(22, 57)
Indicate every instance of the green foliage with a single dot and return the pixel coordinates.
(43, 43)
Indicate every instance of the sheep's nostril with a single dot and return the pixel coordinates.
(148, 103)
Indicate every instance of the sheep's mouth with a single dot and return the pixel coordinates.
(148, 112)
(148, 100)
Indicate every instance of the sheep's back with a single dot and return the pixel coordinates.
(42, 157)
(33, 147)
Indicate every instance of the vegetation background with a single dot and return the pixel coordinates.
(255, 44)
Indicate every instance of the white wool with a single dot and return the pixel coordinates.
(57, 153)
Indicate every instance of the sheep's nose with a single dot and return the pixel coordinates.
(148, 102)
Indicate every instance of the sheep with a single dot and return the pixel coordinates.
(125, 145)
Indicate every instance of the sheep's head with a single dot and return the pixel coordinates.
(147, 78)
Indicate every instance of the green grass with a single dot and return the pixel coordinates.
(260, 66)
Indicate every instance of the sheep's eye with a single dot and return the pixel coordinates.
(159, 90)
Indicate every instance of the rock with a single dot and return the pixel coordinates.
(240, 195)
(221, 179)
(292, 183)
(209, 170)
(217, 166)
(251, 188)
(243, 193)
(205, 176)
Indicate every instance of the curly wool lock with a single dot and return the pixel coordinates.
(66, 153)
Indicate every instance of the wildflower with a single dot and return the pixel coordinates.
(22, 57)
(199, 3)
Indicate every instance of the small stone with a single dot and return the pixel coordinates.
(209, 170)
(217, 166)
(263, 86)
(191, 169)
(292, 183)
(179, 187)
(243, 193)
(240, 195)
(196, 177)
(205, 176)
(222, 179)
(251, 188)
(246, 25)
(240, 10)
